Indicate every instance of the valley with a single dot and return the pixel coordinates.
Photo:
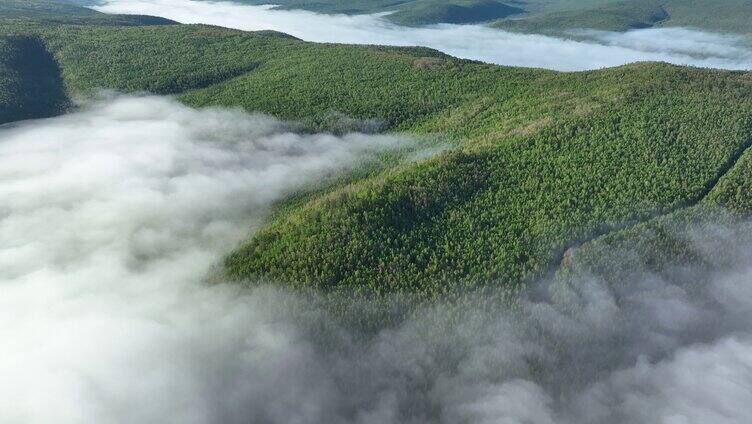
(212, 224)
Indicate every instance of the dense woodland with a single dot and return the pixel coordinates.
(539, 162)
(616, 16)
(567, 17)
(30, 82)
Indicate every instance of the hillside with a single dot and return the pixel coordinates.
(64, 12)
(540, 161)
(668, 243)
(422, 12)
(505, 205)
(559, 17)
(30, 83)
(618, 16)
(43, 9)
(724, 16)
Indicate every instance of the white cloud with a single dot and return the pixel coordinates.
(675, 45)
(698, 385)
(111, 218)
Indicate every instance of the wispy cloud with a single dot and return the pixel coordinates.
(675, 45)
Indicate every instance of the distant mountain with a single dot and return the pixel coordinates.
(615, 16)
(559, 16)
(69, 12)
(423, 12)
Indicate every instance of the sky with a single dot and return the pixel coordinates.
(605, 49)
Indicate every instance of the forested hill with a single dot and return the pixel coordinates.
(66, 12)
(562, 17)
(30, 82)
(539, 162)
(611, 16)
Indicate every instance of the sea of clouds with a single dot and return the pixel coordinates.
(601, 49)
(111, 217)
(114, 216)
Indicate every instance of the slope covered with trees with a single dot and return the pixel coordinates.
(504, 205)
(422, 12)
(559, 17)
(538, 161)
(617, 16)
(66, 12)
(30, 82)
(723, 16)
(669, 246)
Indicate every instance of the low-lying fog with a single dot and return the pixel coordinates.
(112, 216)
(675, 45)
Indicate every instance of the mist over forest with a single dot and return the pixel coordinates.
(119, 213)
(230, 212)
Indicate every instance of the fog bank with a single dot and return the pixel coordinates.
(113, 216)
(110, 219)
(675, 45)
